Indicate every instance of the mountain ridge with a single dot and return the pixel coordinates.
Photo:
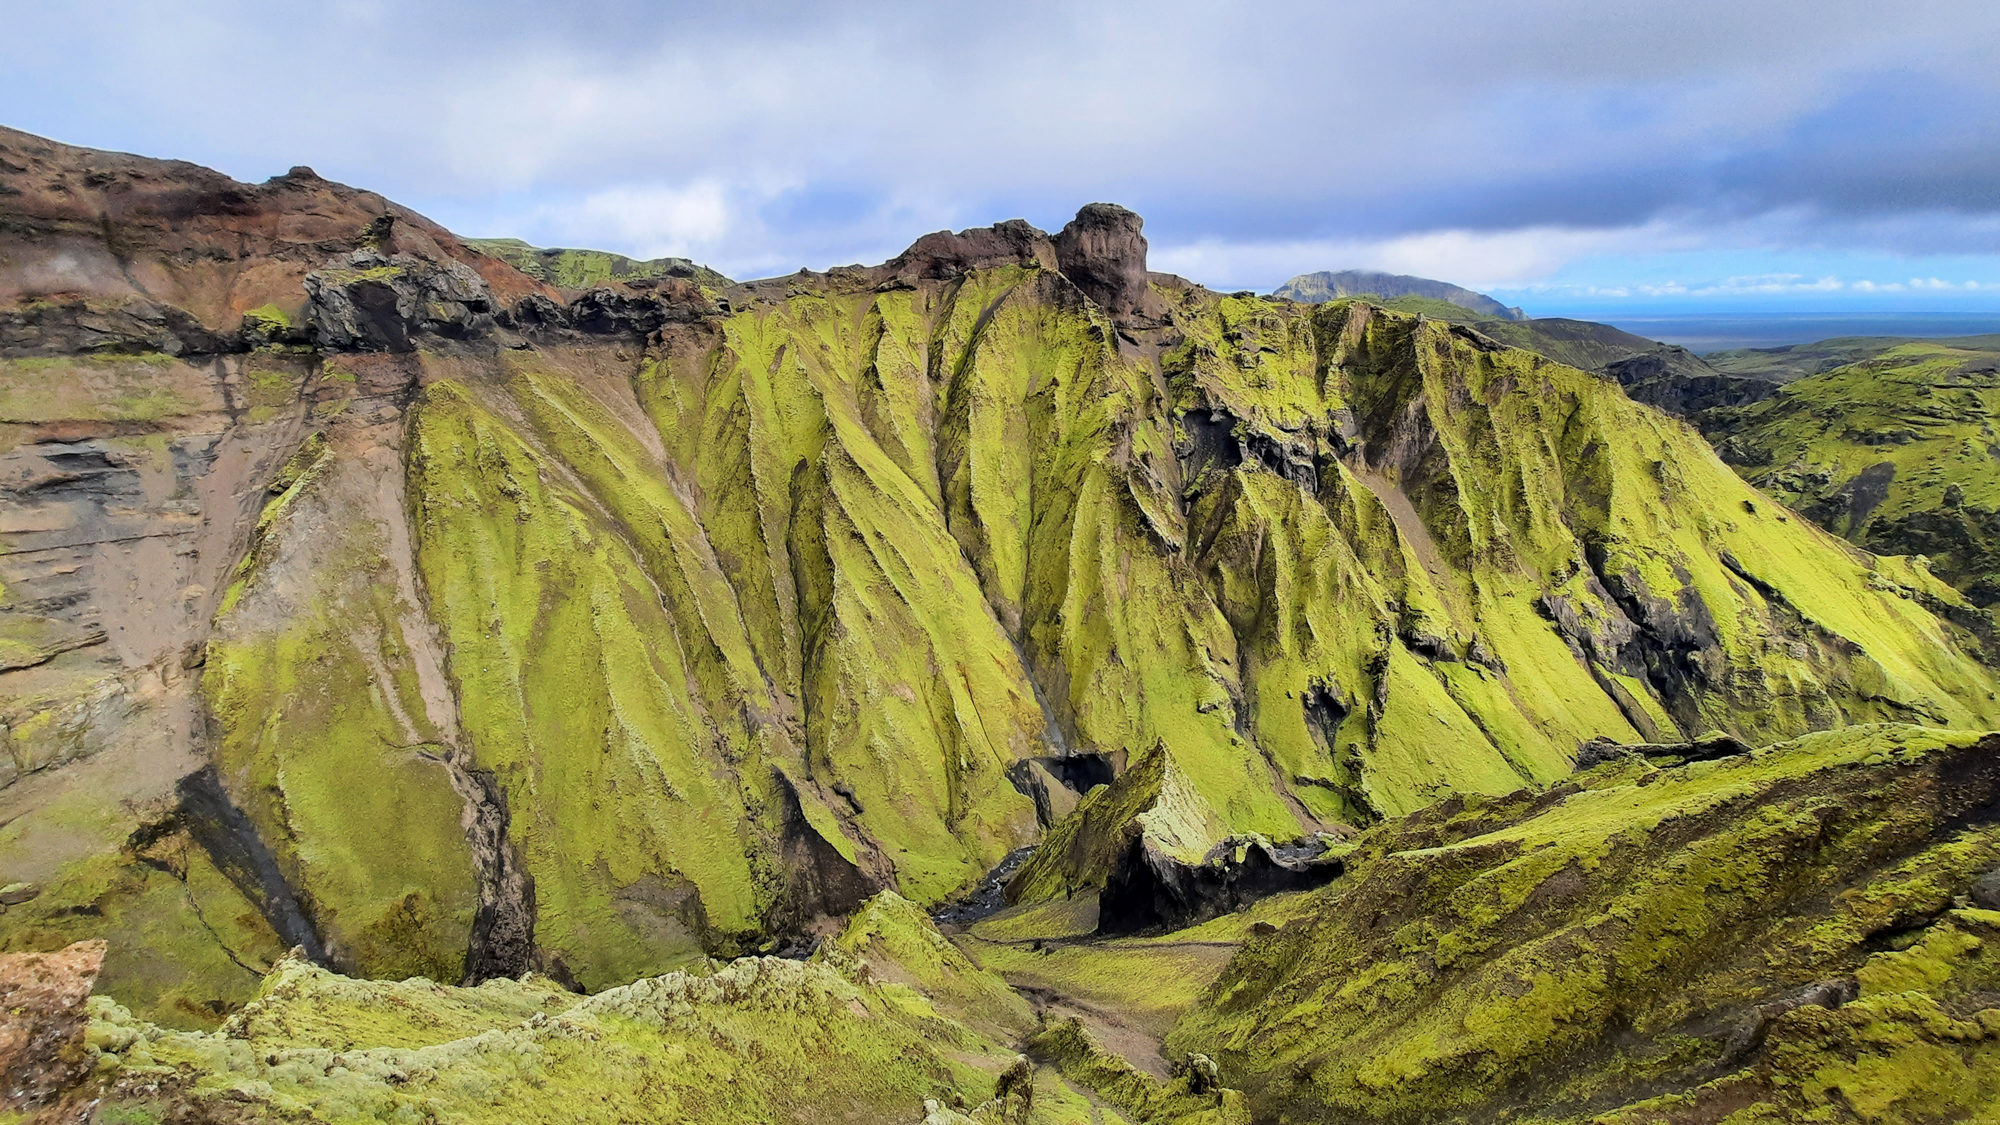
(448, 624)
(1329, 285)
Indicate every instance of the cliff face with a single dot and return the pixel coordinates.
(367, 595)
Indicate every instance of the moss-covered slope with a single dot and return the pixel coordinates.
(1897, 452)
(1797, 933)
(1785, 935)
(761, 1040)
(581, 269)
(600, 638)
(888, 1022)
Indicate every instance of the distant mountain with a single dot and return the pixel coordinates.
(1893, 450)
(1319, 288)
(583, 269)
(1796, 361)
(1664, 375)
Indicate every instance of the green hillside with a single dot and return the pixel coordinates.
(770, 618)
(581, 269)
(1794, 934)
(1796, 361)
(1897, 452)
(1001, 685)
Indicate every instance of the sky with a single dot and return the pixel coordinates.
(1693, 156)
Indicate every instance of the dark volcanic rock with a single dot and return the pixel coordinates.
(133, 326)
(1103, 253)
(1707, 748)
(1149, 888)
(1677, 381)
(637, 309)
(375, 304)
(943, 255)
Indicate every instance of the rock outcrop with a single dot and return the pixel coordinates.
(1102, 251)
(42, 1023)
(944, 255)
(370, 303)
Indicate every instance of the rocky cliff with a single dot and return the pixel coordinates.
(368, 596)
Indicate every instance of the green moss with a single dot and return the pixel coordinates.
(1153, 798)
(301, 1005)
(342, 276)
(1609, 928)
(321, 721)
(185, 946)
(1893, 452)
(750, 1043)
(636, 839)
(1079, 1056)
(876, 549)
(1148, 983)
(897, 942)
(581, 269)
(141, 388)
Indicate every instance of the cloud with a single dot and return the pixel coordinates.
(1486, 143)
(1491, 259)
(653, 222)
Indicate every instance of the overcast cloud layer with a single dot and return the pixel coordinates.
(1766, 152)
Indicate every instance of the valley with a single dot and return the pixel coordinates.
(459, 681)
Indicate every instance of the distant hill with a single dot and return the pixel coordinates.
(1319, 288)
(1893, 450)
(581, 269)
(1796, 361)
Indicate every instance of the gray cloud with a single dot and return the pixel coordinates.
(766, 136)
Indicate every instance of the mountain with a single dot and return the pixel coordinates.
(1795, 361)
(581, 269)
(1663, 375)
(377, 611)
(1881, 439)
(1318, 288)
(1897, 452)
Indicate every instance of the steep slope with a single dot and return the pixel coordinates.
(1664, 375)
(919, 1033)
(1314, 288)
(464, 626)
(1798, 934)
(1897, 453)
